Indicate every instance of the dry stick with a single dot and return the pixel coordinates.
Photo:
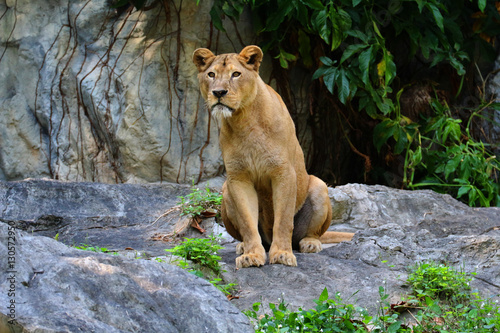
(178, 207)
(418, 322)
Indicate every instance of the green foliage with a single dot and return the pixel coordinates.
(225, 288)
(429, 279)
(202, 252)
(445, 303)
(199, 255)
(330, 315)
(433, 30)
(86, 247)
(442, 305)
(447, 159)
(199, 201)
(367, 53)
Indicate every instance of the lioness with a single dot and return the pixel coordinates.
(269, 200)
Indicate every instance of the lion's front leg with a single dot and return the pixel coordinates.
(241, 205)
(284, 196)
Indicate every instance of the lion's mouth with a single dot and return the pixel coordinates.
(220, 110)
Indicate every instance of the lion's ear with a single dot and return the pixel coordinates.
(202, 58)
(251, 56)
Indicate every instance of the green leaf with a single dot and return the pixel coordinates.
(482, 5)
(320, 72)
(438, 17)
(231, 11)
(451, 166)
(215, 15)
(452, 130)
(357, 2)
(120, 3)
(377, 31)
(343, 86)
(327, 61)
(359, 35)
(324, 295)
(382, 132)
(330, 77)
(351, 50)
(421, 5)
(305, 48)
(417, 156)
(371, 110)
(314, 4)
(401, 138)
(340, 21)
(365, 58)
(394, 327)
(318, 22)
(463, 190)
(390, 67)
(273, 22)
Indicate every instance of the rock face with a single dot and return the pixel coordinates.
(394, 230)
(94, 93)
(63, 289)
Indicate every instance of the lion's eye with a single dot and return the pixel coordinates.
(236, 74)
(211, 74)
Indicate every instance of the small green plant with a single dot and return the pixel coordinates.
(226, 288)
(430, 279)
(86, 247)
(199, 201)
(201, 252)
(199, 256)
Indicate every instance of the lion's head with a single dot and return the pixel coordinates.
(228, 82)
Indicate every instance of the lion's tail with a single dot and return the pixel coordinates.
(330, 237)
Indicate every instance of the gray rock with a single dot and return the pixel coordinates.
(60, 289)
(115, 216)
(394, 230)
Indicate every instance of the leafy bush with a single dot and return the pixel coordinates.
(447, 159)
(438, 281)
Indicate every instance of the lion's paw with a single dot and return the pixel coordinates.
(249, 260)
(310, 245)
(240, 249)
(283, 257)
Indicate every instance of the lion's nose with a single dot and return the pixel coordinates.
(219, 93)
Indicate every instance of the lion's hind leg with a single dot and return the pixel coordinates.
(314, 217)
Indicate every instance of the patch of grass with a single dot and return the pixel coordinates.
(86, 247)
(441, 302)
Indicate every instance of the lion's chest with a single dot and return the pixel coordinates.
(255, 158)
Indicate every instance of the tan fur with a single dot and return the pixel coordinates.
(267, 184)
